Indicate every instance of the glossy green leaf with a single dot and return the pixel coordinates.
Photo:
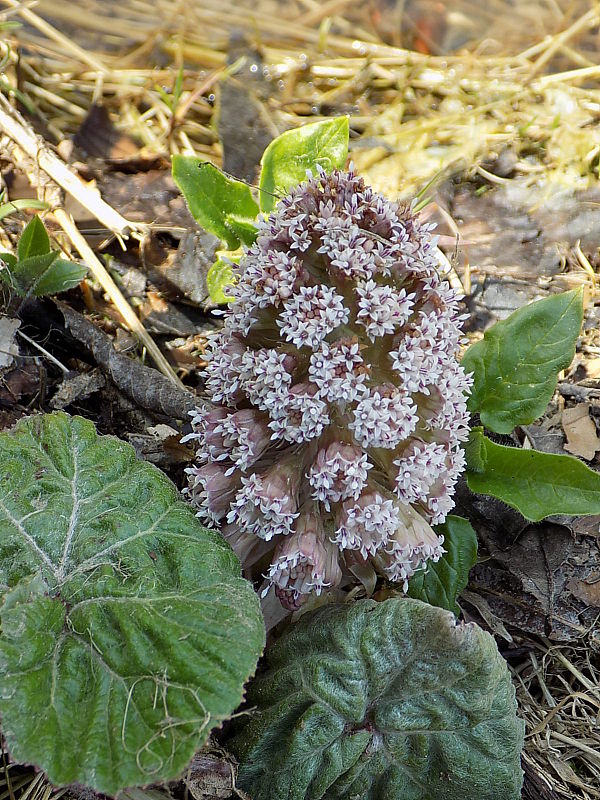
(536, 484)
(382, 701)
(516, 364)
(212, 197)
(218, 278)
(126, 630)
(34, 240)
(286, 159)
(441, 583)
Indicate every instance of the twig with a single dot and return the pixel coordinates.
(44, 352)
(52, 33)
(13, 124)
(101, 274)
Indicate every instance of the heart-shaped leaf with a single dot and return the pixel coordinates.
(126, 630)
(441, 582)
(286, 159)
(536, 484)
(515, 366)
(212, 197)
(382, 701)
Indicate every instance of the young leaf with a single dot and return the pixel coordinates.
(245, 230)
(286, 159)
(8, 262)
(126, 630)
(516, 364)
(20, 205)
(34, 240)
(60, 276)
(536, 484)
(28, 271)
(382, 700)
(440, 583)
(212, 196)
(219, 276)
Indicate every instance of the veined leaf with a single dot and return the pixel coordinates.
(126, 630)
(441, 583)
(516, 365)
(212, 197)
(385, 701)
(286, 159)
(536, 484)
(60, 276)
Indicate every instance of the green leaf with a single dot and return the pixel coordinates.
(382, 701)
(34, 240)
(286, 159)
(516, 364)
(29, 271)
(20, 205)
(440, 583)
(245, 230)
(219, 276)
(212, 197)
(60, 276)
(8, 262)
(536, 484)
(9, 259)
(126, 630)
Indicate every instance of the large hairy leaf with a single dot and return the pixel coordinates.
(515, 366)
(126, 630)
(536, 484)
(382, 701)
(286, 159)
(441, 582)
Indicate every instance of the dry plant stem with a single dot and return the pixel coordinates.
(50, 31)
(103, 277)
(13, 124)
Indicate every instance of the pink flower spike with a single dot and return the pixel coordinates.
(413, 543)
(302, 416)
(312, 314)
(367, 524)
(384, 418)
(339, 473)
(338, 371)
(211, 489)
(245, 437)
(382, 309)
(266, 504)
(304, 562)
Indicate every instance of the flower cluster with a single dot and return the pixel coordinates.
(338, 404)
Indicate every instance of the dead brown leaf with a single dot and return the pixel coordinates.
(580, 430)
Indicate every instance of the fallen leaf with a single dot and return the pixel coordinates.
(592, 368)
(8, 346)
(580, 430)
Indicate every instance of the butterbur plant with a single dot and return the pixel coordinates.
(336, 427)
(339, 407)
(338, 421)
